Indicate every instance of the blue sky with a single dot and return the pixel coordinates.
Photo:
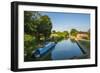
(68, 21)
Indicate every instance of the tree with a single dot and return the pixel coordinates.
(73, 32)
(30, 24)
(53, 31)
(45, 26)
(66, 33)
(36, 24)
(31, 21)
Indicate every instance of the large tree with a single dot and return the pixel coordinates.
(37, 24)
(45, 26)
(31, 21)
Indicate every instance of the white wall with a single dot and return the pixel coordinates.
(5, 17)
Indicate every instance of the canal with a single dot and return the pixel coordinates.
(65, 49)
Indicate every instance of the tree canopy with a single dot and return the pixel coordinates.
(73, 32)
(37, 24)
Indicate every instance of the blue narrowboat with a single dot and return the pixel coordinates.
(41, 51)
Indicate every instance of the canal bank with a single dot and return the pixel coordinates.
(86, 51)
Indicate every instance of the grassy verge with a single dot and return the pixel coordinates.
(85, 44)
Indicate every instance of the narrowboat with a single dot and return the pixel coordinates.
(41, 51)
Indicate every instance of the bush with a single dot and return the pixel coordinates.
(29, 46)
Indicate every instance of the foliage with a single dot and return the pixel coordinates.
(58, 36)
(85, 43)
(29, 45)
(45, 26)
(36, 26)
(73, 32)
(30, 21)
(66, 34)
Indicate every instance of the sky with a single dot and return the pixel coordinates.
(68, 21)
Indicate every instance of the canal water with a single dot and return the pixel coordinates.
(65, 49)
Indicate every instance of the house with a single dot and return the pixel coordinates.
(82, 35)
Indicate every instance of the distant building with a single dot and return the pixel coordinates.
(82, 35)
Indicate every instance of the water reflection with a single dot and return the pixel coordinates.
(73, 40)
(66, 49)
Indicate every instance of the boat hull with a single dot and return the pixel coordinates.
(41, 51)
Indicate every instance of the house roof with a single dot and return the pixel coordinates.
(82, 32)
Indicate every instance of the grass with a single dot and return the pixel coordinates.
(85, 43)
